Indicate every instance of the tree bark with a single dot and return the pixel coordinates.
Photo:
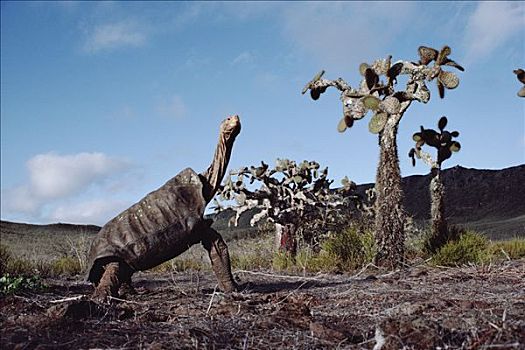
(439, 232)
(285, 239)
(390, 215)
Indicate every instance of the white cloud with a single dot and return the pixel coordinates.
(244, 57)
(91, 212)
(20, 199)
(491, 25)
(173, 107)
(343, 33)
(53, 176)
(114, 35)
(55, 179)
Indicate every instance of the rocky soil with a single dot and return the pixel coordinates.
(416, 308)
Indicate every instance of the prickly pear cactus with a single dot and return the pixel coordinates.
(443, 141)
(378, 94)
(290, 193)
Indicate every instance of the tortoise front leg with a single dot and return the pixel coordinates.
(220, 259)
(109, 284)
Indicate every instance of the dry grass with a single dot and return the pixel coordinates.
(347, 251)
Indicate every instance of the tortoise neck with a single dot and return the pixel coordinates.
(213, 175)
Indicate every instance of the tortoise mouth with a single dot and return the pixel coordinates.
(232, 125)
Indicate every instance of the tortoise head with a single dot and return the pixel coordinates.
(230, 127)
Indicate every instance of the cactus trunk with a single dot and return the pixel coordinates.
(390, 215)
(439, 234)
(285, 239)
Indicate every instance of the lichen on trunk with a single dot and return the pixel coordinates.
(390, 215)
(439, 231)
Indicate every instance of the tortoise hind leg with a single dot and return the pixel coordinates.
(109, 283)
(220, 259)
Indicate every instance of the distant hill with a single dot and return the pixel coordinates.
(490, 201)
(8, 227)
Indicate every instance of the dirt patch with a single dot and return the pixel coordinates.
(417, 308)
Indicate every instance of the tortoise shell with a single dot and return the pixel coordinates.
(162, 225)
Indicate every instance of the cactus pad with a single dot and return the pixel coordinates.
(371, 78)
(442, 123)
(443, 54)
(455, 146)
(390, 105)
(371, 102)
(362, 68)
(426, 54)
(341, 126)
(448, 79)
(377, 123)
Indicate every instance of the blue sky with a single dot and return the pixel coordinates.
(102, 102)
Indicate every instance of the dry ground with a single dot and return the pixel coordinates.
(417, 308)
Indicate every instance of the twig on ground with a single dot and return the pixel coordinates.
(125, 301)
(283, 276)
(515, 345)
(505, 253)
(28, 300)
(293, 291)
(78, 297)
(211, 300)
(363, 270)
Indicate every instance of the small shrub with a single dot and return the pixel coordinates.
(282, 261)
(5, 257)
(186, 264)
(352, 248)
(252, 261)
(66, 266)
(509, 249)
(13, 284)
(433, 244)
(20, 267)
(471, 247)
(317, 262)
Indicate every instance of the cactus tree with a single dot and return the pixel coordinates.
(445, 145)
(388, 106)
(296, 197)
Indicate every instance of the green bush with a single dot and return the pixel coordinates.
(509, 249)
(20, 267)
(471, 247)
(14, 284)
(306, 261)
(65, 266)
(5, 257)
(433, 244)
(343, 251)
(351, 248)
(252, 261)
(323, 261)
(282, 261)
